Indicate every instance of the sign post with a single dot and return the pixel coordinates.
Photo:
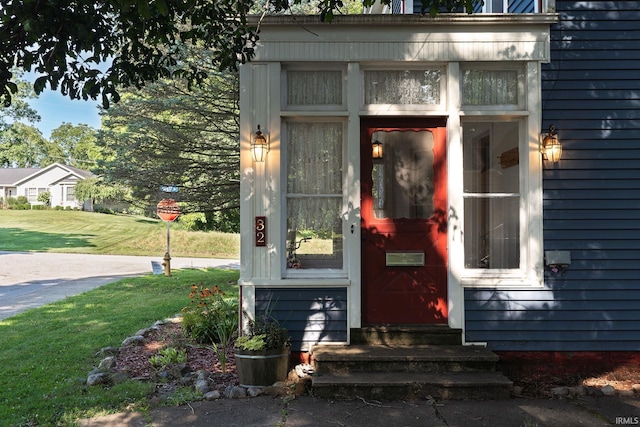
(168, 211)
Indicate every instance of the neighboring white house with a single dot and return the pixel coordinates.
(59, 180)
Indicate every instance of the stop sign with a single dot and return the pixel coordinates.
(168, 209)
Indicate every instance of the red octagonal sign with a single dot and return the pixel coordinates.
(168, 209)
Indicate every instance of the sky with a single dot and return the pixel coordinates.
(55, 109)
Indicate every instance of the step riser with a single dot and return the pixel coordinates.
(387, 362)
(403, 366)
(404, 338)
(412, 391)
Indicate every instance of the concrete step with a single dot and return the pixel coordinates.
(426, 358)
(406, 335)
(412, 385)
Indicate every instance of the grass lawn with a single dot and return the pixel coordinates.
(46, 353)
(95, 233)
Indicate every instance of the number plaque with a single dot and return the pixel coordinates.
(261, 231)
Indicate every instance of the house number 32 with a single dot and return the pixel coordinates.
(261, 231)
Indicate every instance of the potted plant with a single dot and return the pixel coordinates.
(262, 354)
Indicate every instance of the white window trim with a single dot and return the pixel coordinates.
(496, 109)
(374, 109)
(311, 273)
(311, 109)
(530, 272)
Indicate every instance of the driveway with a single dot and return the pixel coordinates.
(32, 279)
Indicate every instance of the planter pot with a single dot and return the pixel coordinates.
(262, 368)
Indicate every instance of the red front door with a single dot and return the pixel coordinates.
(404, 221)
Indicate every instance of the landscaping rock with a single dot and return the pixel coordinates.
(578, 391)
(119, 377)
(235, 392)
(134, 340)
(99, 378)
(107, 364)
(255, 391)
(636, 388)
(108, 351)
(202, 386)
(560, 391)
(625, 393)
(212, 395)
(608, 390)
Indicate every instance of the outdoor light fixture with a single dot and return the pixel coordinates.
(259, 147)
(376, 148)
(551, 147)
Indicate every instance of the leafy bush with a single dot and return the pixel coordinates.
(18, 203)
(210, 317)
(194, 221)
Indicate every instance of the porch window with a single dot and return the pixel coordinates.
(491, 195)
(314, 194)
(403, 87)
(489, 87)
(306, 88)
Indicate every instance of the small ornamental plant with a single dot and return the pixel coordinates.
(211, 318)
(264, 333)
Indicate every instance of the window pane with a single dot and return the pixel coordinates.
(402, 87)
(492, 194)
(403, 178)
(314, 232)
(491, 233)
(314, 199)
(489, 87)
(314, 158)
(491, 157)
(314, 87)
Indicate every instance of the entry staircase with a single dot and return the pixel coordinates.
(408, 362)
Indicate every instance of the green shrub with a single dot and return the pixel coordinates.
(195, 221)
(210, 317)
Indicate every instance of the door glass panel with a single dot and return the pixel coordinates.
(403, 177)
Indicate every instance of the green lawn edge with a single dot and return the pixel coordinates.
(47, 352)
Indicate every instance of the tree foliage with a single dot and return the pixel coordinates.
(23, 146)
(90, 49)
(76, 146)
(166, 134)
(94, 188)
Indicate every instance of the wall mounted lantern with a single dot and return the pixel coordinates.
(376, 148)
(259, 146)
(551, 147)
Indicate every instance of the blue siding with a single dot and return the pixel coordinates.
(591, 93)
(311, 315)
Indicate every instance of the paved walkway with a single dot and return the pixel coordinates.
(32, 279)
(307, 411)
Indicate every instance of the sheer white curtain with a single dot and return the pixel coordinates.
(490, 87)
(305, 88)
(402, 87)
(314, 192)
